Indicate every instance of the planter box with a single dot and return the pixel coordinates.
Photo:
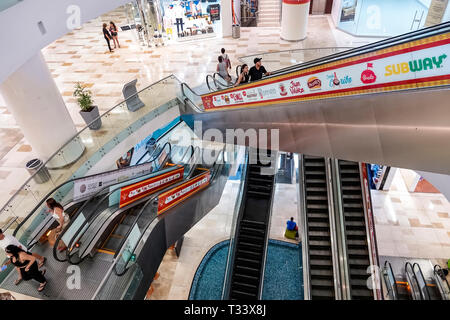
(90, 116)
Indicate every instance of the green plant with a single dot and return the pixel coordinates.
(84, 97)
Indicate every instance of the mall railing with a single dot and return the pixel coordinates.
(125, 269)
(8, 4)
(118, 123)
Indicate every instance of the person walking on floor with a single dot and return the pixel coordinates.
(26, 266)
(107, 36)
(6, 240)
(114, 34)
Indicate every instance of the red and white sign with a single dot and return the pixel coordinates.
(370, 220)
(172, 197)
(137, 191)
(421, 64)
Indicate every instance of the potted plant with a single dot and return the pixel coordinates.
(88, 112)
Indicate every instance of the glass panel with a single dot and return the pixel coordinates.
(281, 59)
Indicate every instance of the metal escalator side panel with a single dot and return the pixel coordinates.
(441, 283)
(413, 284)
(421, 281)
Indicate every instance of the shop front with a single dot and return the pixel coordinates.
(386, 18)
(159, 21)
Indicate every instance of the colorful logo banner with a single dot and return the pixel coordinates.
(418, 64)
(137, 191)
(172, 197)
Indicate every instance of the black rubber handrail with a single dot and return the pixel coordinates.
(213, 177)
(408, 266)
(106, 220)
(237, 71)
(77, 236)
(427, 295)
(80, 210)
(388, 268)
(407, 37)
(227, 84)
(214, 81)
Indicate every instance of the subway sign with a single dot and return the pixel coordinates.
(417, 64)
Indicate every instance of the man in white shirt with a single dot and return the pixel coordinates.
(6, 240)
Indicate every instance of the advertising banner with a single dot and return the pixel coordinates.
(91, 185)
(422, 63)
(172, 197)
(370, 220)
(142, 189)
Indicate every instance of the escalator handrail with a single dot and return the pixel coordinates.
(208, 85)
(397, 40)
(141, 211)
(213, 176)
(62, 184)
(77, 236)
(237, 71)
(412, 274)
(194, 105)
(226, 85)
(419, 270)
(70, 181)
(388, 268)
(80, 210)
(185, 85)
(441, 282)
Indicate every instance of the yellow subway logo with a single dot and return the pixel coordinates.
(415, 65)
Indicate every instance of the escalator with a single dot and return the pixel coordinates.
(104, 230)
(337, 106)
(252, 232)
(441, 282)
(357, 249)
(395, 290)
(317, 243)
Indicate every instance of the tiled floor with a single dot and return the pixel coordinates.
(413, 225)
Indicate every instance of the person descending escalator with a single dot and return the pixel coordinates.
(61, 217)
(26, 266)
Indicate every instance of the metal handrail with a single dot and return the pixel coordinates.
(78, 134)
(226, 85)
(305, 242)
(77, 235)
(426, 294)
(334, 206)
(214, 81)
(442, 283)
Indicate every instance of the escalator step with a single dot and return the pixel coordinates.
(358, 263)
(320, 252)
(321, 264)
(318, 215)
(246, 252)
(259, 193)
(252, 231)
(245, 286)
(255, 224)
(316, 206)
(318, 235)
(243, 295)
(322, 294)
(355, 224)
(246, 278)
(322, 283)
(258, 246)
(251, 238)
(321, 273)
(254, 271)
(260, 179)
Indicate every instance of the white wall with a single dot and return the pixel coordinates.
(336, 11)
(20, 36)
(226, 17)
(439, 181)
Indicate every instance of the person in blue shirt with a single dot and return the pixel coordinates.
(291, 226)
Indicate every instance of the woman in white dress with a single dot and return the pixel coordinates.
(58, 213)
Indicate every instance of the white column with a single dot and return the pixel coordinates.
(226, 17)
(294, 19)
(33, 99)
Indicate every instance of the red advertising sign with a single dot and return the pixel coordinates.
(370, 220)
(172, 197)
(136, 191)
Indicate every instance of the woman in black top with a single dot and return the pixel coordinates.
(113, 30)
(26, 265)
(243, 77)
(107, 36)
